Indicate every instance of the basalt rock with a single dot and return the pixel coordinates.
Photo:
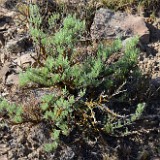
(108, 24)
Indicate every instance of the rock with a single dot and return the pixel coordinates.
(16, 45)
(12, 79)
(150, 51)
(11, 154)
(3, 71)
(2, 40)
(155, 158)
(25, 60)
(67, 153)
(3, 149)
(21, 139)
(108, 24)
(155, 82)
(4, 157)
(10, 4)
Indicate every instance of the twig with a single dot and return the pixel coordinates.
(118, 91)
(104, 107)
(18, 65)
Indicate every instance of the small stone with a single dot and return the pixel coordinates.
(3, 149)
(2, 40)
(21, 139)
(156, 68)
(16, 45)
(156, 44)
(11, 154)
(156, 82)
(25, 60)
(12, 79)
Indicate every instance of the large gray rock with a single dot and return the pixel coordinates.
(108, 24)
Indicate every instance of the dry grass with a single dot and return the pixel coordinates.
(31, 110)
(2, 1)
(124, 4)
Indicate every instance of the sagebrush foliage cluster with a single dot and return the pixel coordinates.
(80, 80)
(14, 111)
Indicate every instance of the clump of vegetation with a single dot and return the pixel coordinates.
(85, 82)
(82, 80)
(13, 111)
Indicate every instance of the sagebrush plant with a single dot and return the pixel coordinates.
(14, 111)
(82, 81)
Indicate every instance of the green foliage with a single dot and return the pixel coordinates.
(138, 113)
(35, 21)
(61, 109)
(110, 126)
(13, 111)
(52, 146)
(79, 80)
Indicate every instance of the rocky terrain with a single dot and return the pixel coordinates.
(25, 141)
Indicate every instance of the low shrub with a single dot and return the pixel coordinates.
(85, 81)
